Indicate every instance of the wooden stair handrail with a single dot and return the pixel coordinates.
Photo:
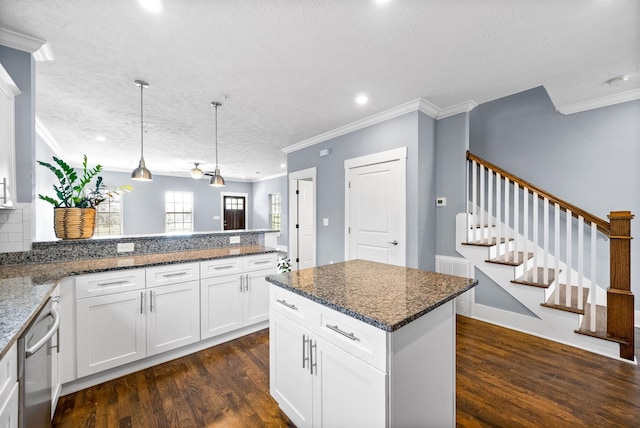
(603, 225)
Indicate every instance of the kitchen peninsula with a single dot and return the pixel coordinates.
(364, 344)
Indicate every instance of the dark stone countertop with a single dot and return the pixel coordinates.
(25, 288)
(385, 296)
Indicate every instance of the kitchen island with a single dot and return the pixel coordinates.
(365, 344)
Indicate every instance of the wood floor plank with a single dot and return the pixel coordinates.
(504, 379)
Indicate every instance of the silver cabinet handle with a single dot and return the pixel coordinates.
(54, 328)
(171, 275)
(150, 300)
(241, 283)
(223, 267)
(313, 347)
(394, 242)
(246, 283)
(104, 284)
(263, 262)
(141, 300)
(305, 358)
(344, 333)
(288, 305)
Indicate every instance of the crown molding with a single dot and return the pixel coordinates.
(269, 177)
(419, 104)
(43, 132)
(38, 47)
(608, 100)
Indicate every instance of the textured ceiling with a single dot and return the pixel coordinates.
(292, 68)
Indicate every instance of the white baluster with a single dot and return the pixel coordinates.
(498, 215)
(474, 199)
(525, 218)
(556, 232)
(569, 244)
(580, 260)
(490, 205)
(536, 208)
(545, 261)
(482, 205)
(507, 255)
(466, 201)
(594, 232)
(516, 224)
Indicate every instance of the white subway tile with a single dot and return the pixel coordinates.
(12, 228)
(4, 237)
(15, 237)
(11, 247)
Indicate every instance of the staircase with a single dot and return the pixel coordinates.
(548, 255)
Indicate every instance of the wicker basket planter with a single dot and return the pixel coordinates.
(74, 223)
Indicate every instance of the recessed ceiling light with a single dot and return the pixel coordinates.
(101, 138)
(618, 80)
(382, 1)
(362, 99)
(283, 165)
(151, 5)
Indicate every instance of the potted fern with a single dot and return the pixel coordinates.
(75, 200)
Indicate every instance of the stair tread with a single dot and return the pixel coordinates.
(529, 279)
(486, 243)
(510, 259)
(601, 324)
(574, 300)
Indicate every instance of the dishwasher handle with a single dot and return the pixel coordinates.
(56, 324)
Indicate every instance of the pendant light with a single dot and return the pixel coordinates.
(216, 179)
(196, 172)
(141, 173)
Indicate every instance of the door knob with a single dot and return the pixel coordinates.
(394, 242)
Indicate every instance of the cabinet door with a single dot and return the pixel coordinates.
(221, 305)
(67, 336)
(173, 316)
(9, 409)
(290, 377)
(256, 296)
(56, 384)
(347, 392)
(111, 331)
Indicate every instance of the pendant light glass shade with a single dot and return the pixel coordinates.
(196, 172)
(141, 173)
(216, 179)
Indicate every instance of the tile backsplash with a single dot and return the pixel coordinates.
(15, 229)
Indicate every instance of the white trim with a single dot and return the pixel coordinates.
(293, 177)
(46, 136)
(607, 100)
(399, 154)
(246, 209)
(419, 104)
(8, 83)
(637, 319)
(270, 177)
(38, 47)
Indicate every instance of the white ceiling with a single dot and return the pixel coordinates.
(292, 68)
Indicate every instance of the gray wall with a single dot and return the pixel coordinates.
(589, 159)
(21, 67)
(44, 181)
(261, 192)
(412, 130)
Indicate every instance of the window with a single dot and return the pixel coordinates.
(109, 216)
(178, 212)
(274, 211)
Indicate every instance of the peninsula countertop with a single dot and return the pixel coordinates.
(24, 288)
(385, 296)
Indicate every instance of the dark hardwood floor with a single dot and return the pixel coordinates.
(505, 379)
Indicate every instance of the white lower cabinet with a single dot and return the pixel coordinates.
(318, 384)
(9, 389)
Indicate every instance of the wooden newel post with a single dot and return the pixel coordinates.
(620, 304)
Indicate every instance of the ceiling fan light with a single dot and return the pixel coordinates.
(216, 179)
(141, 173)
(196, 173)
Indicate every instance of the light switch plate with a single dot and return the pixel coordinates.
(325, 222)
(126, 247)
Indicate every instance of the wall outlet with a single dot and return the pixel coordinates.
(325, 222)
(216, 217)
(234, 240)
(126, 247)
(441, 201)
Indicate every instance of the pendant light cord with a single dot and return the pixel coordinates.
(141, 122)
(216, 106)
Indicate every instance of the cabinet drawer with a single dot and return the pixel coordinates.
(359, 339)
(8, 373)
(99, 284)
(295, 307)
(219, 267)
(172, 274)
(261, 262)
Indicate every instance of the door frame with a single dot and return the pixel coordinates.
(246, 208)
(399, 154)
(304, 174)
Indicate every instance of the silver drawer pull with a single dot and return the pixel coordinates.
(288, 305)
(222, 267)
(171, 275)
(264, 262)
(344, 333)
(104, 284)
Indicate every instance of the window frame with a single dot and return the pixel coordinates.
(176, 212)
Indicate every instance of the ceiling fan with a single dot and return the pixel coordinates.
(196, 172)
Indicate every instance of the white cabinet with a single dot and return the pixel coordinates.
(318, 384)
(8, 92)
(132, 314)
(56, 384)
(9, 389)
(234, 293)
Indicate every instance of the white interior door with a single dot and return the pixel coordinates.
(306, 225)
(376, 209)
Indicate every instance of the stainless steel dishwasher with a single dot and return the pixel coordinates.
(34, 369)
